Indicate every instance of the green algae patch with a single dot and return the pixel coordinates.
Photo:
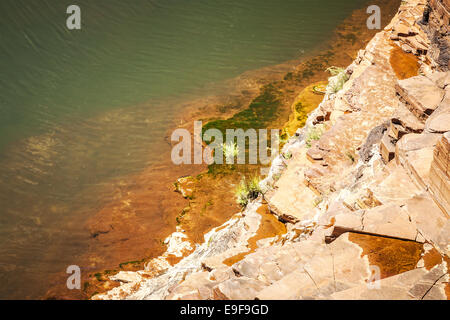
(134, 264)
(308, 100)
(405, 65)
(259, 114)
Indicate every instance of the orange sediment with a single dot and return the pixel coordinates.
(392, 256)
(432, 258)
(405, 65)
(269, 227)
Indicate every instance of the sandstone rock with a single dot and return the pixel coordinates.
(126, 276)
(313, 179)
(387, 220)
(413, 142)
(387, 148)
(350, 266)
(314, 154)
(402, 29)
(410, 285)
(421, 95)
(431, 221)
(295, 285)
(196, 286)
(396, 187)
(325, 271)
(396, 132)
(291, 201)
(391, 221)
(241, 288)
(417, 44)
(359, 199)
(439, 121)
(415, 153)
(408, 121)
(269, 272)
(407, 48)
(440, 173)
(441, 79)
(439, 124)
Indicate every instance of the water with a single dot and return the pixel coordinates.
(80, 109)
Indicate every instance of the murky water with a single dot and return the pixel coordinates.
(81, 109)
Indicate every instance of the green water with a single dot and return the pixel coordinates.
(81, 108)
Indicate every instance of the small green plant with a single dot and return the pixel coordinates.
(241, 193)
(317, 201)
(288, 76)
(337, 80)
(287, 155)
(351, 157)
(130, 262)
(276, 177)
(179, 218)
(320, 89)
(210, 240)
(98, 276)
(284, 137)
(230, 151)
(247, 191)
(313, 134)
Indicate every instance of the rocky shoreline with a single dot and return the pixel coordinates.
(365, 200)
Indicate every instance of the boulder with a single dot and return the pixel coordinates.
(421, 95)
(416, 284)
(241, 288)
(440, 173)
(387, 148)
(407, 120)
(432, 223)
(441, 79)
(389, 220)
(415, 153)
(440, 123)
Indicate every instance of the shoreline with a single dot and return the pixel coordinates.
(99, 282)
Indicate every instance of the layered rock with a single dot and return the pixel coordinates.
(408, 30)
(440, 172)
(435, 23)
